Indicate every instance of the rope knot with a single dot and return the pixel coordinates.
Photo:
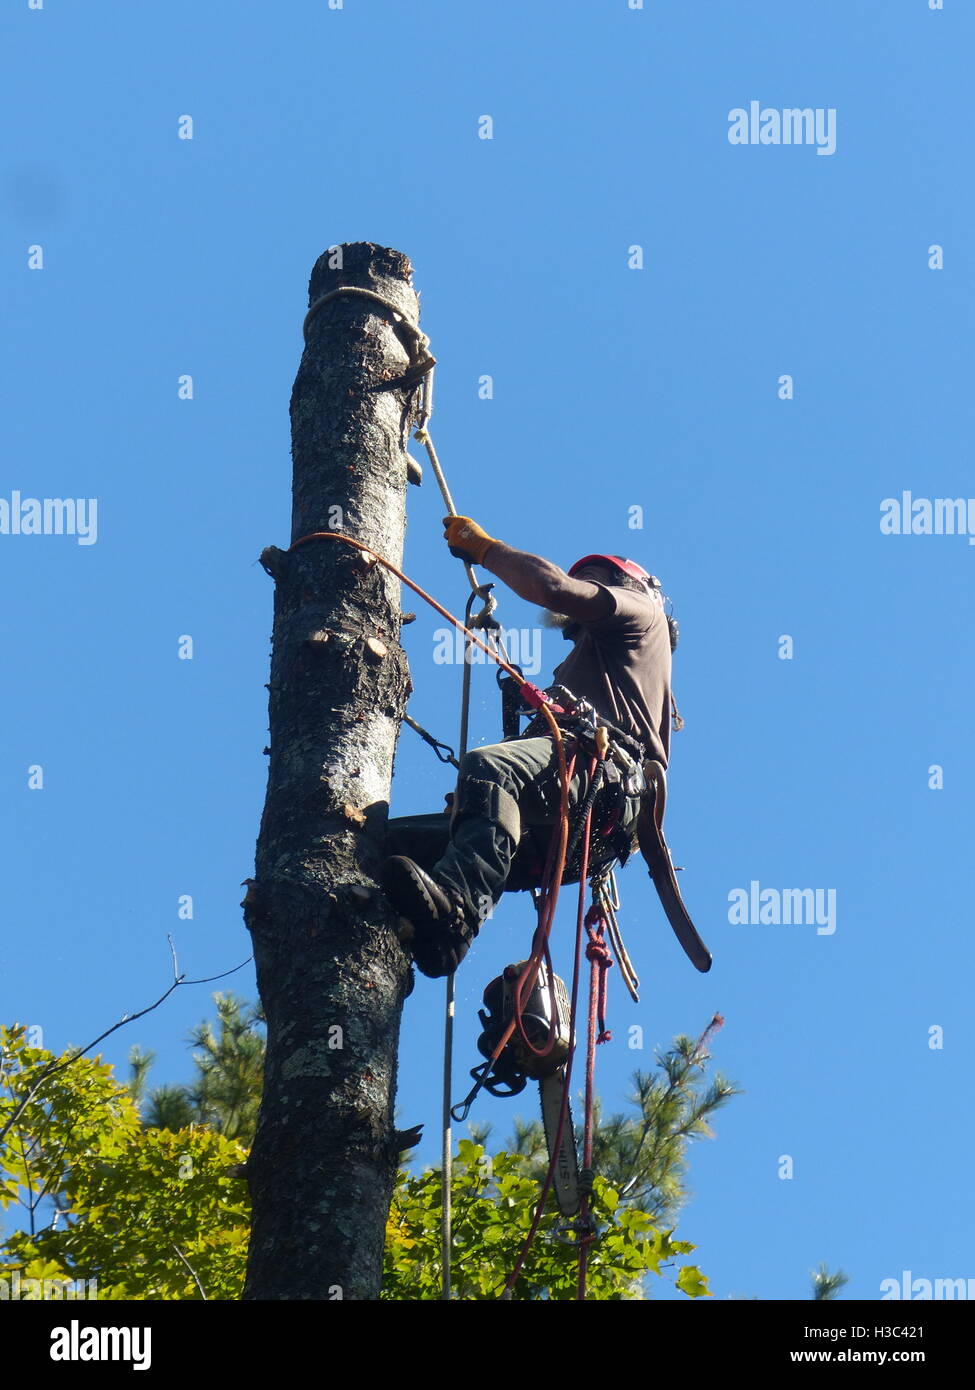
(597, 952)
(598, 956)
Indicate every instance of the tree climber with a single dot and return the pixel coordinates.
(612, 611)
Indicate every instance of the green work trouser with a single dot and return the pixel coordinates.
(502, 790)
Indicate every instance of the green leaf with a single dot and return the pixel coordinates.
(691, 1281)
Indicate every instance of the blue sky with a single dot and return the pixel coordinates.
(614, 387)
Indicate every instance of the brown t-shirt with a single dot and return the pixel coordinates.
(621, 665)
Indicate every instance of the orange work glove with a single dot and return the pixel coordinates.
(466, 540)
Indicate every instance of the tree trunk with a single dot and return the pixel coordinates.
(330, 971)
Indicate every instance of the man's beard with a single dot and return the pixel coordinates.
(559, 622)
(553, 620)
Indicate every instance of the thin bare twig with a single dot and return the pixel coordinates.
(196, 1277)
(55, 1067)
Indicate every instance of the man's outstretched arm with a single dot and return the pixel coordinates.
(539, 581)
(530, 576)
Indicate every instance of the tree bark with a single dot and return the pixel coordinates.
(330, 971)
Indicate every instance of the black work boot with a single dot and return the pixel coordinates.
(442, 931)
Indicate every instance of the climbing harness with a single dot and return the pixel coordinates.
(618, 777)
(529, 1019)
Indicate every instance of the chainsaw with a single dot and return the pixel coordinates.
(516, 1065)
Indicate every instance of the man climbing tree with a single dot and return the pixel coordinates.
(613, 611)
(331, 974)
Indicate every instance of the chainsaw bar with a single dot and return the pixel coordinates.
(565, 1168)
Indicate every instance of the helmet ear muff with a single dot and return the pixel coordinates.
(654, 585)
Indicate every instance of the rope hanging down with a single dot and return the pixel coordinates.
(583, 1225)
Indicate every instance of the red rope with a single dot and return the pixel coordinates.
(564, 1111)
(593, 923)
(540, 951)
(600, 960)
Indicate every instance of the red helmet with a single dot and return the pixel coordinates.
(618, 562)
(635, 571)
